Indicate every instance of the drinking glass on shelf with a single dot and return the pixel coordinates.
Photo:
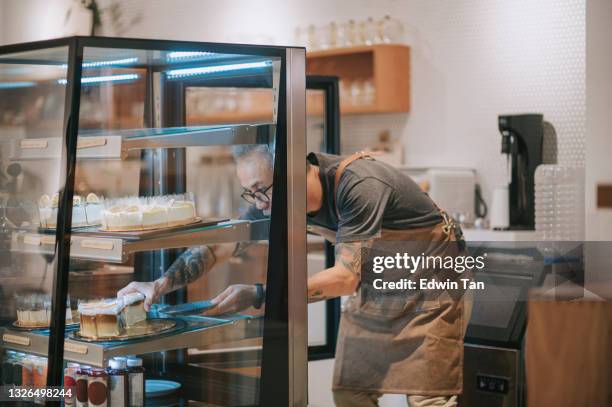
(300, 36)
(345, 93)
(368, 29)
(391, 30)
(369, 92)
(313, 40)
(326, 36)
(340, 35)
(356, 90)
(333, 34)
(350, 33)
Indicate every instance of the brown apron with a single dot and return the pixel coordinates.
(406, 343)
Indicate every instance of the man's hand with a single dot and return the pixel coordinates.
(234, 298)
(151, 290)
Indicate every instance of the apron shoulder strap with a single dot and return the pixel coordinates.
(341, 168)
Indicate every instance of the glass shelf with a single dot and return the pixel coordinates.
(115, 247)
(117, 144)
(194, 332)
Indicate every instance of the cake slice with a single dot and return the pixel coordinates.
(100, 319)
(133, 309)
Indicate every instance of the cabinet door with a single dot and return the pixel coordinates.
(322, 135)
(34, 116)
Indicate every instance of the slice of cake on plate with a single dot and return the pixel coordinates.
(109, 318)
(100, 319)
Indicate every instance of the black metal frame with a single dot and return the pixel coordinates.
(275, 363)
(328, 84)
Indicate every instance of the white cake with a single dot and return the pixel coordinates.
(180, 210)
(86, 212)
(34, 310)
(126, 214)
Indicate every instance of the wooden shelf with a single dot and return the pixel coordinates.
(386, 66)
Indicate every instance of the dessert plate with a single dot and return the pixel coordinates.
(160, 388)
(144, 329)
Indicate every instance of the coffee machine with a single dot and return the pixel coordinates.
(522, 137)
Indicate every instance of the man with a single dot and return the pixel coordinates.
(409, 349)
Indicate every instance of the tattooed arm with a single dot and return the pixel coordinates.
(188, 267)
(341, 279)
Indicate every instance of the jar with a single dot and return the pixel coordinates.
(136, 378)
(97, 388)
(119, 393)
(70, 383)
(18, 368)
(7, 368)
(39, 372)
(81, 386)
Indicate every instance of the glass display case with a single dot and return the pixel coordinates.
(120, 164)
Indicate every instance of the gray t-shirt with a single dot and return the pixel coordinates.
(371, 196)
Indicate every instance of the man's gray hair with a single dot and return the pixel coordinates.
(243, 151)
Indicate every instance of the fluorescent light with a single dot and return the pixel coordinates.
(16, 85)
(107, 78)
(179, 73)
(187, 54)
(125, 61)
(101, 64)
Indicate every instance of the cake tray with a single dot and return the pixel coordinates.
(143, 329)
(147, 232)
(17, 326)
(153, 227)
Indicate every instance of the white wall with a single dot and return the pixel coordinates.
(472, 60)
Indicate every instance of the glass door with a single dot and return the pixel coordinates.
(33, 118)
(322, 135)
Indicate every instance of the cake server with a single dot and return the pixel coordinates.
(188, 308)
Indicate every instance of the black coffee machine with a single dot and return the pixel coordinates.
(522, 137)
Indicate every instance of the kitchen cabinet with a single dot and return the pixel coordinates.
(374, 79)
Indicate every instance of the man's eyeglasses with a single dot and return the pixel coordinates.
(260, 195)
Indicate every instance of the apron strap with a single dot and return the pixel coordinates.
(341, 167)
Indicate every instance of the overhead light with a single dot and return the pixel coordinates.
(16, 85)
(97, 64)
(107, 78)
(187, 54)
(102, 64)
(179, 73)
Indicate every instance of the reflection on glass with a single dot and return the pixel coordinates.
(31, 118)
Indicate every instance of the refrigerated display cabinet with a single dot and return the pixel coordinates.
(143, 118)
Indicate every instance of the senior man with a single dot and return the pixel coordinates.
(387, 343)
